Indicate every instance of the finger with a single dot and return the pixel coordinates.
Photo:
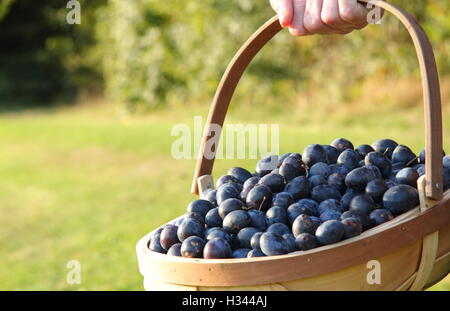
(330, 17)
(353, 12)
(285, 11)
(296, 28)
(312, 20)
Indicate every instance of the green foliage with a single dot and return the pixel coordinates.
(150, 53)
(43, 57)
(175, 51)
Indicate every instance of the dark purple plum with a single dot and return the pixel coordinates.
(375, 170)
(226, 179)
(330, 205)
(234, 243)
(266, 165)
(330, 215)
(362, 203)
(363, 218)
(196, 216)
(273, 244)
(256, 252)
(320, 168)
(342, 144)
(240, 253)
(235, 221)
(276, 214)
(228, 206)
(189, 227)
(363, 150)
(446, 178)
(400, 199)
(289, 240)
(241, 174)
(358, 178)
(348, 197)
(329, 232)
(390, 183)
(168, 236)
(376, 188)
(313, 154)
(381, 161)
(310, 206)
(298, 187)
(179, 221)
(274, 181)
(397, 167)
(251, 182)
(227, 191)
(282, 158)
(380, 216)
(282, 199)
(254, 242)
(332, 154)
(218, 233)
(305, 241)
(213, 219)
(217, 248)
(402, 154)
(192, 247)
(304, 206)
(361, 163)
(338, 181)
(317, 180)
(324, 192)
(175, 250)
(407, 176)
(245, 235)
(244, 193)
(420, 169)
(257, 219)
(260, 198)
(446, 161)
(279, 228)
(210, 195)
(352, 227)
(294, 161)
(385, 146)
(200, 206)
(155, 243)
(348, 158)
(289, 171)
(303, 224)
(422, 156)
(338, 168)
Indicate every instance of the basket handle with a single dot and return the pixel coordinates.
(430, 85)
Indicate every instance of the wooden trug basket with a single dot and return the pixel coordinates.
(413, 249)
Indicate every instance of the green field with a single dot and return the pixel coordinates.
(87, 183)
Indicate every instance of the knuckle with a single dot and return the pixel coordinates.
(298, 31)
(349, 14)
(313, 24)
(330, 18)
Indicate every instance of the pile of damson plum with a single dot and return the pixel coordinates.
(297, 202)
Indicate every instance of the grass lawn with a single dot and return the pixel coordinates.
(84, 184)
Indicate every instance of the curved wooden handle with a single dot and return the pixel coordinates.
(430, 84)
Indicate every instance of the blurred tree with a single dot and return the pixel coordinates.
(147, 53)
(43, 58)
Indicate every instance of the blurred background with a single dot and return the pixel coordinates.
(86, 112)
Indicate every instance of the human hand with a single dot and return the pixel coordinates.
(307, 17)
